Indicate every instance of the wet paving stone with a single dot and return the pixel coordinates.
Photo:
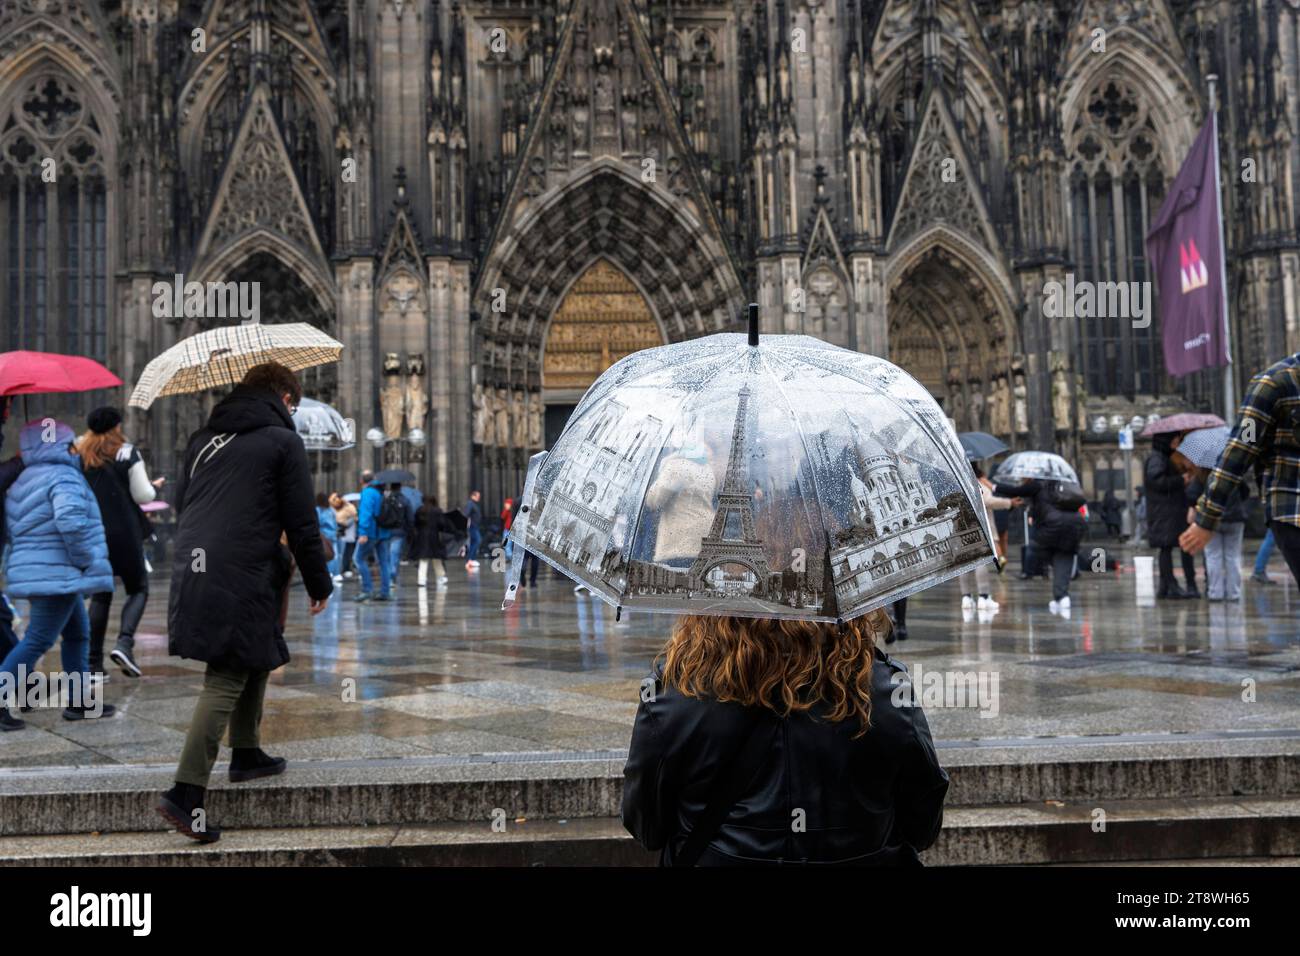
(446, 672)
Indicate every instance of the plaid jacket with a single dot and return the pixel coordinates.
(1265, 437)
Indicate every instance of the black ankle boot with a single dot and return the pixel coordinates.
(178, 806)
(250, 763)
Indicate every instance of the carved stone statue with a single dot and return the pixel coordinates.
(1080, 404)
(417, 399)
(1021, 393)
(518, 417)
(1000, 417)
(501, 410)
(1062, 408)
(536, 421)
(480, 416)
(976, 405)
(956, 399)
(391, 400)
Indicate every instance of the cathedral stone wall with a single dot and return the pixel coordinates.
(430, 180)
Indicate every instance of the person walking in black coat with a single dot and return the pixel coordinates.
(1166, 497)
(245, 482)
(427, 544)
(1057, 533)
(836, 766)
(116, 474)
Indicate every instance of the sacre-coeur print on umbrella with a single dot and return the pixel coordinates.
(786, 478)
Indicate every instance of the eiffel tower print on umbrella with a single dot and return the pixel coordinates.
(781, 479)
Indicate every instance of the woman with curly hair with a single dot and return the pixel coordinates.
(780, 741)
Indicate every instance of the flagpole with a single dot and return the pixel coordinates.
(1229, 389)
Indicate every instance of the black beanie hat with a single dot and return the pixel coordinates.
(103, 420)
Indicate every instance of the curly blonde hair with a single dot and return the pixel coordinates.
(788, 666)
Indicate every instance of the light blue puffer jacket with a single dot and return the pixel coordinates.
(55, 530)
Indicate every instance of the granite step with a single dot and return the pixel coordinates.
(407, 792)
(1239, 832)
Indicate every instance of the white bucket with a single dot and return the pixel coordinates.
(1144, 574)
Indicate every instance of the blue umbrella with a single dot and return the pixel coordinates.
(979, 445)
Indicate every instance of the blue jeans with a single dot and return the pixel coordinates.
(336, 562)
(380, 550)
(394, 547)
(53, 615)
(1265, 552)
(471, 551)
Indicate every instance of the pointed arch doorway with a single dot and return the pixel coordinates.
(602, 318)
(950, 328)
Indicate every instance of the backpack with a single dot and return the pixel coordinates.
(392, 511)
(1066, 496)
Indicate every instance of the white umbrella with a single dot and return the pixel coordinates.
(1042, 465)
(321, 427)
(223, 356)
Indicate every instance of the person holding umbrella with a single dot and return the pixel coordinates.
(1166, 498)
(1051, 490)
(117, 475)
(772, 729)
(246, 483)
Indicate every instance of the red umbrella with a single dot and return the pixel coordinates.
(1182, 422)
(29, 373)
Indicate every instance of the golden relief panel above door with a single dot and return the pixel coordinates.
(602, 319)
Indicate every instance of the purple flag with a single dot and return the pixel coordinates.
(1184, 251)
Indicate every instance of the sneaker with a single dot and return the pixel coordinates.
(967, 614)
(347, 574)
(1053, 606)
(986, 603)
(1064, 603)
(383, 597)
(10, 722)
(178, 805)
(122, 658)
(361, 598)
(338, 579)
(442, 581)
(97, 677)
(83, 712)
(1259, 578)
(967, 602)
(254, 764)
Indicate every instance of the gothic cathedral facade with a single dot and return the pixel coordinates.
(490, 201)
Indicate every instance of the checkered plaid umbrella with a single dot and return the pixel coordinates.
(222, 357)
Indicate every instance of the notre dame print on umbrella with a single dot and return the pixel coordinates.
(787, 479)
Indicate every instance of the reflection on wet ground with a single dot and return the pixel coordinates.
(447, 673)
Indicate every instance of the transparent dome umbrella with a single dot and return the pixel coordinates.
(785, 479)
(321, 427)
(1042, 465)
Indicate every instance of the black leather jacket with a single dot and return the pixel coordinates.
(873, 800)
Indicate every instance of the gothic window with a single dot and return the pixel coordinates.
(1116, 187)
(53, 222)
(294, 115)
